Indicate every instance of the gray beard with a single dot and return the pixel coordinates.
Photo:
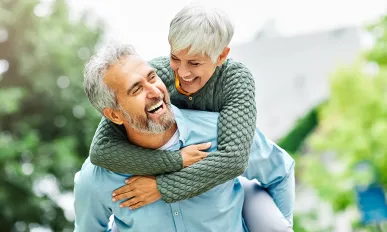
(147, 125)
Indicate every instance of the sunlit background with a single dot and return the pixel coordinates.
(321, 89)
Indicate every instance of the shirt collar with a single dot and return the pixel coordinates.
(181, 124)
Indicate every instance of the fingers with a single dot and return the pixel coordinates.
(124, 196)
(203, 146)
(130, 202)
(122, 190)
(143, 202)
(192, 154)
(138, 205)
(132, 179)
(203, 154)
(198, 157)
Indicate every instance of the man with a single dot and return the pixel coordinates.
(127, 91)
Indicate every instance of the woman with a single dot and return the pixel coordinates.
(198, 76)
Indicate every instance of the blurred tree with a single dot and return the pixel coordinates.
(379, 52)
(352, 127)
(46, 122)
(293, 141)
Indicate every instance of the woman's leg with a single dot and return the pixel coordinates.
(260, 212)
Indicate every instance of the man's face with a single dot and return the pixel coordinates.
(193, 71)
(142, 97)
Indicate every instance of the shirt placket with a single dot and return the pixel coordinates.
(178, 217)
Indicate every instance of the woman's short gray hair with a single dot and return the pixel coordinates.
(202, 30)
(98, 93)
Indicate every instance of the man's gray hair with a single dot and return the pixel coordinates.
(99, 94)
(203, 30)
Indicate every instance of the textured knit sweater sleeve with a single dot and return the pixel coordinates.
(111, 149)
(236, 127)
(234, 98)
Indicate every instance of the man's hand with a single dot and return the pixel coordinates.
(140, 190)
(194, 153)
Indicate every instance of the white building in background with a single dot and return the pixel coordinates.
(292, 73)
(291, 77)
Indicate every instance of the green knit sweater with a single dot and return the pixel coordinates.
(230, 91)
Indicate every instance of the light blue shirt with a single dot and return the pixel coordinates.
(219, 209)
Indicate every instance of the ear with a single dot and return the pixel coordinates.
(113, 116)
(223, 56)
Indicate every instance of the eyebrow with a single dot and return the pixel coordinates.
(174, 56)
(152, 71)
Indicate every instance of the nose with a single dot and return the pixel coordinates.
(183, 71)
(153, 91)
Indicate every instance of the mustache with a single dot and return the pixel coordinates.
(157, 99)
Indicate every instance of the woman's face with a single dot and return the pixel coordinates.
(193, 71)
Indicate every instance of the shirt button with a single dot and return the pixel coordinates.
(190, 98)
(176, 213)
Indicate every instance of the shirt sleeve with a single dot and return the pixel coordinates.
(90, 213)
(237, 121)
(111, 149)
(273, 167)
(235, 129)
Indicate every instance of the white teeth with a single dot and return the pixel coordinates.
(188, 80)
(155, 106)
(157, 111)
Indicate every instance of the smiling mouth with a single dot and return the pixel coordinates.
(155, 108)
(188, 79)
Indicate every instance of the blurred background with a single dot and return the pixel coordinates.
(320, 70)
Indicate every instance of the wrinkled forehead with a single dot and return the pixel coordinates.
(133, 67)
(127, 71)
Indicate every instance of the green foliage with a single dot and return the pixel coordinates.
(352, 128)
(298, 224)
(379, 53)
(46, 121)
(11, 99)
(293, 141)
(353, 125)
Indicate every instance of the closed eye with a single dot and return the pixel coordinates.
(137, 90)
(152, 78)
(194, 64)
